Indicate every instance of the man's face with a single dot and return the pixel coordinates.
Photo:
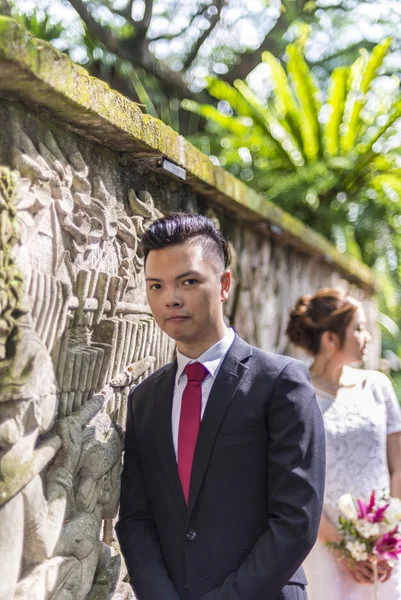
(186, 287)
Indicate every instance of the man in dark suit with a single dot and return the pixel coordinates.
(223, 477)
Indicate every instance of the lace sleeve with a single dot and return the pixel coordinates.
(393, 409)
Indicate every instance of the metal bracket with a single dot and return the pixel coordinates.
(161, 163)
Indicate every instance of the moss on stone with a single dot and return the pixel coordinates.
(11, 279)
(33, 70)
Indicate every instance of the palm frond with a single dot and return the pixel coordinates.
(336, 101)
(363, 72)
(285, 105)
(285, 144)
(309, 104)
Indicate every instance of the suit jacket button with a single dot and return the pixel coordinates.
(191, 535)
(186, 586)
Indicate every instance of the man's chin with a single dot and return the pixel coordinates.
(178, 331)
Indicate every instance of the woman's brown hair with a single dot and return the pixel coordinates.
(327, 310)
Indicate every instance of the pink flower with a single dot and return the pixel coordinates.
(378, 515)
(388, 546)
(366, 510)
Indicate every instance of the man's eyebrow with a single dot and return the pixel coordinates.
(186, 274)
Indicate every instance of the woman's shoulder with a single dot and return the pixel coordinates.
(378, 378)
(378, 382)
(354, 375)
(366, 378)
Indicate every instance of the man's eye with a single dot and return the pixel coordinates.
(190, 281)
(155, 286)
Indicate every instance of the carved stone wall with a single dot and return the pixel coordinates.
(270, 277)
(75, 335)
(76, 332)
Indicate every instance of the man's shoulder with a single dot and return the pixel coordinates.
(275, 363)
(142, 388)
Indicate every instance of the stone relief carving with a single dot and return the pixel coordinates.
(75, 335)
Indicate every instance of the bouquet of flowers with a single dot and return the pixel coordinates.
(370, 531)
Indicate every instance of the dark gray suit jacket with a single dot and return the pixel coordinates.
(256, 489)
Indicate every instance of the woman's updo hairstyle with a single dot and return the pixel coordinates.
(327, 310)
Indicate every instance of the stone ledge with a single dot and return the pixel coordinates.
(36, 73)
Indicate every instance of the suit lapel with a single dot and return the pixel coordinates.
(221, 395)
(163, 390)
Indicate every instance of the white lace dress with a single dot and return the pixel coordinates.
(356, 425)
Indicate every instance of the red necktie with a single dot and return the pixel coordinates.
(190, 418)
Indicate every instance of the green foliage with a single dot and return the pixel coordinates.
(11, 280)
(396, 380)
(326, 157)
(335, 101)
(40, 27)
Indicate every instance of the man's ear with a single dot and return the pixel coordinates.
(225, 281)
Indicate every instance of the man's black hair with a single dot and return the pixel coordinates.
(179, 228)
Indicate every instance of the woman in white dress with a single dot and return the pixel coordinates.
(362, 421)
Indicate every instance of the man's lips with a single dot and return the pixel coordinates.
(177, 318)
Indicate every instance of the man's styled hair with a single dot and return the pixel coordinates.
(179, 228)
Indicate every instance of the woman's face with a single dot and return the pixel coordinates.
(356, 339)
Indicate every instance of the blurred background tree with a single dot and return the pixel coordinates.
(328, 155)
(158, 52)
(331, 159)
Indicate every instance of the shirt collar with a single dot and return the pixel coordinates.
(211, 359)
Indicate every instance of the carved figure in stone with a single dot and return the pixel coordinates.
(99, 229)
(96, 498)
(132, 372)
(40, 556)
(28, 408)
(28, 402)
(85, 479)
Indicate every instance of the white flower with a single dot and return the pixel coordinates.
(357, 550)
(385, 527)
(393, 512)
(347, 507)
(366, 529)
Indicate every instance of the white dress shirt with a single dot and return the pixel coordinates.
(211, 360)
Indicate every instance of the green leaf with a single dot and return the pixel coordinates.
(284, 142)
(142, 93)
(241, 134)
(388, 184)
(344, 236)
(285, 104)
(336, 101)
(377, 56)
(208, 111)
(362, 73)
(224, 91)
(394, 113)
(40, 27)
(309, 104)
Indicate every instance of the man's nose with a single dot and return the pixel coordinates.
(173, 300)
